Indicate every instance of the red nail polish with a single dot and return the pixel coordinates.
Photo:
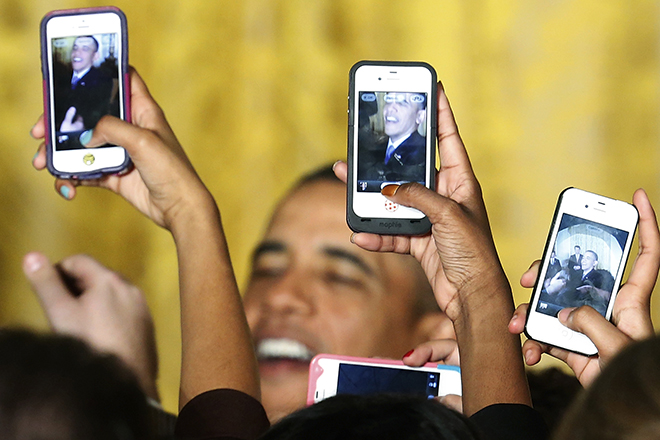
(408, 354)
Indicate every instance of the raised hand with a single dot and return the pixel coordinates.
(631, 315)
(86, 300)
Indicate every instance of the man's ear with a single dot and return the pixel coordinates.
(434, 325)
(421, 116)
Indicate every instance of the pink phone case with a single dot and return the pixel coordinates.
(315, 370)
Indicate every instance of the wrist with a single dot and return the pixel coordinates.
(197, 215)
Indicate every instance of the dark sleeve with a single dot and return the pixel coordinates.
(221, 414)
(510, 421)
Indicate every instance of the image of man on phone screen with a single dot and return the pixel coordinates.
(84, 93)
(400, 155)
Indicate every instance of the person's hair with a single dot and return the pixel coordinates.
(426, 301)
(593, 253)
(577, 247)
(623, 402)
(374, 417)
(552, 393)
(96, 42)
(55, 387)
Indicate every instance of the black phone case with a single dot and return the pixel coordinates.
(124, 76)
(387, 226)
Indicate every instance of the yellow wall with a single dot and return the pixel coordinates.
(547, 95)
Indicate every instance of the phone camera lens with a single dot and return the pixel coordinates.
(379, 79)
(586, 206)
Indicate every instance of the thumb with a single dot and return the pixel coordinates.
(46, 284)
(419, 197)
(585, 319)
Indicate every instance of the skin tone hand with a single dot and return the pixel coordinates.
(99, 307)
(161, 190)
(69, 125)
(461, 263)
(631, 315)
(442, 351)
(217, 349)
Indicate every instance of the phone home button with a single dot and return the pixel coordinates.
(88, 159)
(566, 333)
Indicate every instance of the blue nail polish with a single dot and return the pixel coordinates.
(35, 155)
(64, 190)
(86, 136)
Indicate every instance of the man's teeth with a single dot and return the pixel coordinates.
(283, 348)
(391, 119)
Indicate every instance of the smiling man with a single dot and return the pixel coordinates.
(311, 291)
(403, 112)
(86, 93)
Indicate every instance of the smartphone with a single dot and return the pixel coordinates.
(583, 263)
(392, 126)
(84, 59)
(330, 375)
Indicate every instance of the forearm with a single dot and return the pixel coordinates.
(491, 357)
(217, 350)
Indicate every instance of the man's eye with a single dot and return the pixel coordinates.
(267, 272)
(337, 278)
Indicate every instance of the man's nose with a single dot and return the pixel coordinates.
(290, 293)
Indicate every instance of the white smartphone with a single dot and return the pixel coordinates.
(391, 139)
(330, 375)
(583, 263)
(85, 72)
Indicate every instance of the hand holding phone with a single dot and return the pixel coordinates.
(591, 237)
(631, 315)
(84, 55)
(391, 139)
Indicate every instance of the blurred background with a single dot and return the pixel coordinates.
(547, 94)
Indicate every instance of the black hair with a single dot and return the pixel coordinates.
(56, 387)
(374, 417)
(324, 173)
(96, 42)
(624, 400)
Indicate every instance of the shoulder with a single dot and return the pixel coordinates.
(511, 422)
(222, 414)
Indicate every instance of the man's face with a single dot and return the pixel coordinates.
(83, 54)
(588, 261)
(311, 291)
(402, 115)
(577, 250)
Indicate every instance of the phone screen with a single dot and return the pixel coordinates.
(587, 257)
(362, 379)
(85, 84)
(391, 138)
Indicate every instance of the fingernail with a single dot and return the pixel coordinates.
(564, 314)
(32, 263)
(528, 356)
(389, 190)
(335, 164)
(513, 318)
(353, 237)
(86, 136)
(408, 354)
(65, 191)
(35, 155)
